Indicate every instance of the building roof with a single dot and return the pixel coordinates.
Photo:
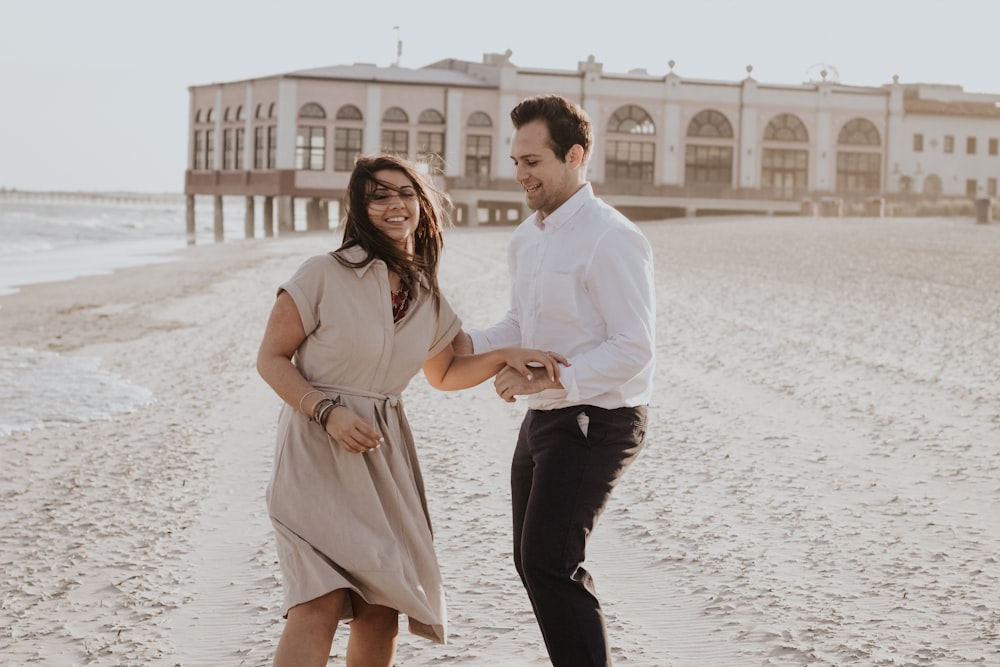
(392, 74)
(916, 105)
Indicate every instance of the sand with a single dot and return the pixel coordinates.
(820, 485)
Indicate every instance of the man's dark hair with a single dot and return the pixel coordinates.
(568, 124)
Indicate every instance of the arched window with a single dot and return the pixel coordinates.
(310, 139)
(239, 112)
(312, 110)
(225, 115)
(933, 186)
(859, 167)
(395, 115)
(349, 112)
(430, 144)
(708, 153)
(479, 119)
(710, 123)
(259, 113)
(272, 110)
(197, 116)
(631, 119)
(479, 149)
(431, 117)
(210, 115)
(786, 127)
(347, 137)
(784, 165)
(859, 132)
(627, 159)
(396, 141)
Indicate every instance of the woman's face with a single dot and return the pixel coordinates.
(393, 206)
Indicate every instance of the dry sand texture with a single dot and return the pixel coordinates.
(820, 485)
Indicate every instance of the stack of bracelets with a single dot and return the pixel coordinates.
(322, 410)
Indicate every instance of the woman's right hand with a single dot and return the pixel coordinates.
(530, 363)
(352, 432)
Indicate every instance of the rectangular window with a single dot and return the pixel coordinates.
(970, 145)
(238, 155)
(346, 146)
(227, 149)
(258, 148)
(478, 154)
(430, 150)
(197, 151)
(859, 173)
(991, 187)
(272, 145)
(209, 149)
(970, 187)
(708, 164)
(949, 143)
(918, 143)
(629, 161)
(396, 142)
(310, 147)
(993, 146)
(784, 172)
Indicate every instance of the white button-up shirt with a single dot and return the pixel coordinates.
(581, 284)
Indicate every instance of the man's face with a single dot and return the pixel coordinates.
(547, 180)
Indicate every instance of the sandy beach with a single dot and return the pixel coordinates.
(820, 485)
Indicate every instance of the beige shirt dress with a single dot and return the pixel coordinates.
(358, 521)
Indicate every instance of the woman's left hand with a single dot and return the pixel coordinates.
(530, 362)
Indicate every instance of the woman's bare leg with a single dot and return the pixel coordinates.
(372, 642)
(309, 631)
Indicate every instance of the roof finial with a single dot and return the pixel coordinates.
(399, 46)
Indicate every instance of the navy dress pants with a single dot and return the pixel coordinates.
(561, 480)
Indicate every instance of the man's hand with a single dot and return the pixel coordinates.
(509, 382)
(461, 343)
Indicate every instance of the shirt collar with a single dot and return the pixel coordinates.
(561, 215)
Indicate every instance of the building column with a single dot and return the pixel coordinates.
(189, 219)
(219, 233)
(268, 217)
(324, 215)
(248, 218)
(312, 214)
(286, 214)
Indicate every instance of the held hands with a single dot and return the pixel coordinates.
(351, 431)
(528, 372)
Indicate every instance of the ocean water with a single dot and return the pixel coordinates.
(52, 240)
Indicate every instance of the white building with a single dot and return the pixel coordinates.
(664, 145)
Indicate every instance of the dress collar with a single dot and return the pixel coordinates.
(356, 254)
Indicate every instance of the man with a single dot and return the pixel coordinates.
(581, 285)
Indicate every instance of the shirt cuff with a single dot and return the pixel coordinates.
(569, 392)
(480, 343)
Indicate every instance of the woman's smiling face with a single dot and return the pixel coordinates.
(394, 207)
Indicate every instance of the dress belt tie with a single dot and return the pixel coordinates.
(391, 401)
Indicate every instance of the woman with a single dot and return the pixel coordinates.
(345, 336)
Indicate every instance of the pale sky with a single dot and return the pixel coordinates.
(94, 92)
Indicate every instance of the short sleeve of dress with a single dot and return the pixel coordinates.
(448, 326)
(306, 288)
